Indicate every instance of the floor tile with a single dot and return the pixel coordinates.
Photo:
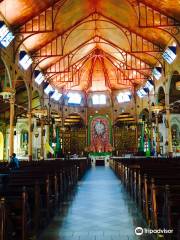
(99, 208)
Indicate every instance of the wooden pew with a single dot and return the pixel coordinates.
(2, 219)
(17, 218)
(32, 193)
(146, 180)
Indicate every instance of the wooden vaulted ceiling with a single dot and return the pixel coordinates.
(76, 41)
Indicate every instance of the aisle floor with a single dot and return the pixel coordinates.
(98, 209)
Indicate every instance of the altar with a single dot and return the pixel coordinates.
(99, 139)
(100, 158)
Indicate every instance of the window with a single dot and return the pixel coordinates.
(170, 54)
(5, 35)
(48, 89)
(25, 60)
(74, 98)
(124, 97)
(99, 99)
(149, 85)
(141, 93)
(56, 95)
(157, 72)
(39, 77)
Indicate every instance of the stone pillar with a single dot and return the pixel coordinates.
(30, 136)
(11, 128)
(169, 132)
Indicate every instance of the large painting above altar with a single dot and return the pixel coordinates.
(99, 134)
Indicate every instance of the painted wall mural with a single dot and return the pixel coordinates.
(99, 131)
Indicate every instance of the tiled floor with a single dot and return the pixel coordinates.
(99, 209)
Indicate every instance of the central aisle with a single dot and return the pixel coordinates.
(99, 209)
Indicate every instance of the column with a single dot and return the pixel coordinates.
(47, 139)
(30, 136)
(42, 138)
(136, 119)
(58, 143)
(157, 135)
(86, 126)
(168, 118)
(11, 129)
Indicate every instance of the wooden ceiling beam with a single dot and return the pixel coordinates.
(137, 42)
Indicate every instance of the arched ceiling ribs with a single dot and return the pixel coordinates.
(126, 77)
(127, 70)
(57, 42)
(95, 19)
(44, 21)
(37, 62)
(151, 17)
(107, 81)
(56, 70)
(67, 56)
(137, 42)
(59, 77)
(128, 57)
(89, 83)
(155, 45)
(129, 74)
(104, 41)
(38, 24)
(20, 40)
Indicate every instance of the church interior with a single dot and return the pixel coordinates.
(89, 120)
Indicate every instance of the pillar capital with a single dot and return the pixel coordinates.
(12, 99)
(29, 114)
(167, 108)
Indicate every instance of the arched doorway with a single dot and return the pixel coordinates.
(161, 96)
(1, 146)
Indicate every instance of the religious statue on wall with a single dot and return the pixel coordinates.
(100, 135)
